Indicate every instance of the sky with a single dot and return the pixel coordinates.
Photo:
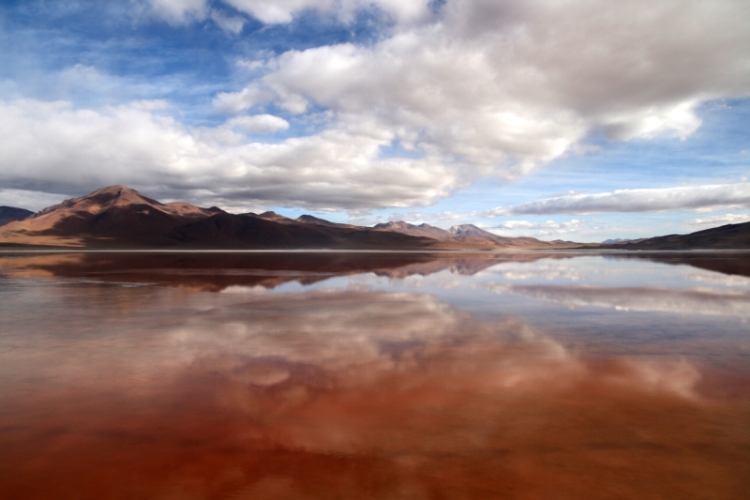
(580, 120)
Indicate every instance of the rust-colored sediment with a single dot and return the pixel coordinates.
(477, 418)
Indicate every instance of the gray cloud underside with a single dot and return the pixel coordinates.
(637, 200)
(485, 87)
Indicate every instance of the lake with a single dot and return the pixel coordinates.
(301, 375)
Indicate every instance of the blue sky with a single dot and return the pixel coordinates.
(576, 120)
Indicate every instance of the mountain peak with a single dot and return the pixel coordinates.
(124, 193)
(101, 199)
(467, 229)
(394, 225)
(273, 216)
(311, 219)
(115, 190)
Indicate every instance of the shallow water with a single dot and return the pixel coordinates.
(333, 375)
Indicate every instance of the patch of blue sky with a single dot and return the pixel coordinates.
(128, 62)
(712, 154)
(396, 150)
(146, 58)
(718, 152)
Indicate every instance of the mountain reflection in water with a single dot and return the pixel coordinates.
(373, 376)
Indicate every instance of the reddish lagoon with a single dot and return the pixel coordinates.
(233, 376)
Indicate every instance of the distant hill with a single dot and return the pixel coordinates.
(11, 214)
(108, 217)
(469, 235)
(310, 219)
(120, 217)
(621, 241)
(731, 236)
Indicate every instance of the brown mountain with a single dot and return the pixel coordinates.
(731, 236)
(272, 216)
(469, 236)
(254, 232)
(309, 219)
(11, 214)
(119, 217)
(425, 230)
(110, 216)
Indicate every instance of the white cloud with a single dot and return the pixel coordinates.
(499, 86)
(234, 102)
(483, 87)
(177, 12)
(230, 24)
(259, 124)
(182, 12)
(718, 220)
(277, 11)
(550, 224)
(30, 200)
(283, 11)
(636, 200)
(419, 217)
(53, 147)
(544, 230)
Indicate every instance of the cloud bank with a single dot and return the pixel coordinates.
(637, 200)
(550, 224)
(55, 147)
(467, 89)
(284, 11)
(719, 220)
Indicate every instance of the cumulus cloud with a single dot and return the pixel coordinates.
(230, 24)
(415, 217)
(54, 147)
(550, 224)
(178, 11)
(283, 11)
(479, 87)
(183, 12)
(30, 200)
(718, 220)
(259, 124)
(234, 102)
(636, 200)
(499, 87)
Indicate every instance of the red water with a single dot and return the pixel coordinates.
(157, 393)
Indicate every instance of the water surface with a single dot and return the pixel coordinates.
(371, 375)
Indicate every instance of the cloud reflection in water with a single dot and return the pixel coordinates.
(164, 393)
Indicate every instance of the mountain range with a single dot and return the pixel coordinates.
(730, 236)
(10, 214)
(120, 217)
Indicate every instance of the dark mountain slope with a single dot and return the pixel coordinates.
(468, 236)
(112, 216)
(12, 214)
(119, 217)
(731, 236)
(246, 231)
